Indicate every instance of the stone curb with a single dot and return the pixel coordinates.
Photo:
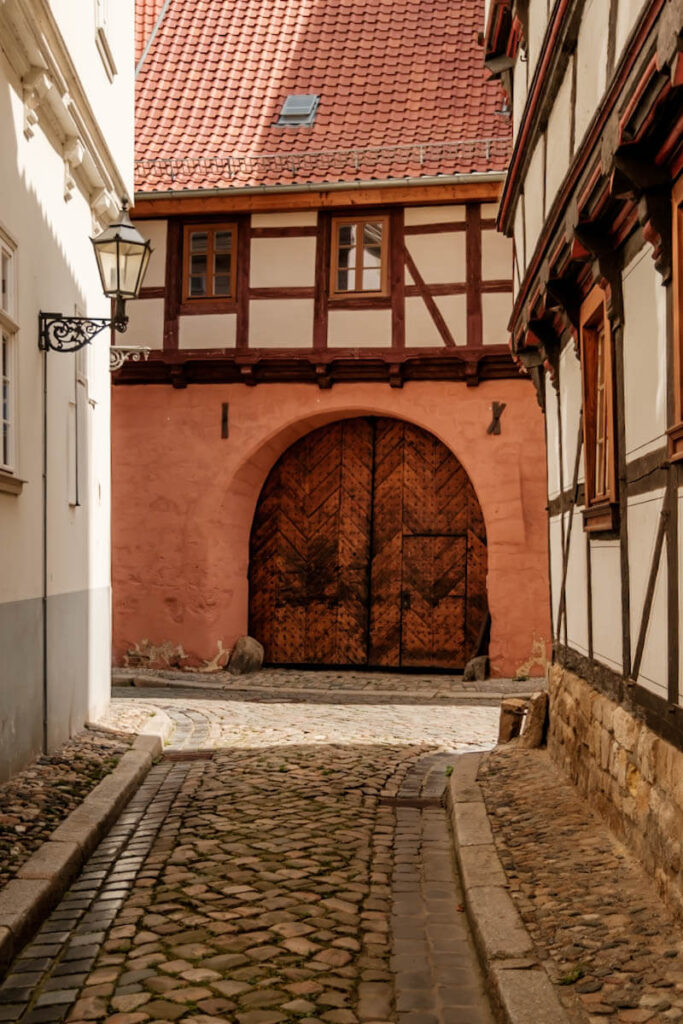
(44, 878)
(518, 984)
(125, 680)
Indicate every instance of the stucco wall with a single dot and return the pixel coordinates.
(184, 499)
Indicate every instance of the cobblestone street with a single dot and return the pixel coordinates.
(286, 861)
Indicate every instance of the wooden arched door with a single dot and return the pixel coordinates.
(368, 548)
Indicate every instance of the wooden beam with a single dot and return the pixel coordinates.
(322, 281)
(243, 264)
(473, 246)
(167, 204)
(397, 279)
(173, 284)
(435, 312)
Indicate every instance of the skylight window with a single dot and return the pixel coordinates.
(299, 110)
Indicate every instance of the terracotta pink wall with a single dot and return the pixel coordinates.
(184, 499)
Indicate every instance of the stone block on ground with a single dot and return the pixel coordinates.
(476, 669)
(536, 724)
(512, 711)
(247, 656)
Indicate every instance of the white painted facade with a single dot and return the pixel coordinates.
(66, 91)
(594, 569)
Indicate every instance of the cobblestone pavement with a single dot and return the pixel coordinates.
(606, 938)
(38, 798)
(286, 861)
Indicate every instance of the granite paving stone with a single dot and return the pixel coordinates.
(297, 866)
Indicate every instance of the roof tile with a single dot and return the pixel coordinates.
(406, 74)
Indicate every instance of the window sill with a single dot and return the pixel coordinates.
(10, 484)
(675, 442)
(356, 300)
(603, 517)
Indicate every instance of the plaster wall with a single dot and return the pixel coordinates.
(496, 256)
(606, 586)
(628, 12)
(111, 98)
(558, 138)
(185, 499)
(441, 258)
(434, 214)
(552, 433)
(49, 220)
(577, 612)
(297, 219)
(211, 330)
(591, 57)
(145, 324)
(534, 188)
(643, 521)
(538, 22)
(156, 231)
(555, 534)
(496, 310)
(645, 333)
(282, 262)
(421, 330)
(281, 323)
(351, 328)
(571, 400)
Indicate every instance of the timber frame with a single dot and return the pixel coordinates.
(465, 359)
(617, 196)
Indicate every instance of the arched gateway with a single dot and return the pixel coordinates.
(368, 547)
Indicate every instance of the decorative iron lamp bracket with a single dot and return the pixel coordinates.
(71, 333)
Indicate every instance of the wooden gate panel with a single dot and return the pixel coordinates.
(434, 591)
(387, 544)
(355, 521)
(368, 547)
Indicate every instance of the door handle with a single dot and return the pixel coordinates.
(405, 600)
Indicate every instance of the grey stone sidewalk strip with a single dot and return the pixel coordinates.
(518, 984)
(47, 874)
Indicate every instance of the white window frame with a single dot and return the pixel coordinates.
(8, 361)
(101, 38)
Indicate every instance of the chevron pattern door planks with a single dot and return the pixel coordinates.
(368, 548)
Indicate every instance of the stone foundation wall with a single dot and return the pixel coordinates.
(630, 775)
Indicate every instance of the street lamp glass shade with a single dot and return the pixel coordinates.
(122, 257)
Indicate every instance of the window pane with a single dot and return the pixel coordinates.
(372, 279)
(222, 284)
(198, 269)
(222, 263)
(372, 257)
(223, 241)
(199, 241)
(197, 286)
(347, 234)
(345, 280)
(372, 233)
(347, 259)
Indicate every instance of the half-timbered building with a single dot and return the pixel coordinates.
(325, 445)
(593, 204)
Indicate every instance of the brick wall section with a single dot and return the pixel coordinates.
(631, 776)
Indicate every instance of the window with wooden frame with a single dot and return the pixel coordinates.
(675, 431)
(360, 264)
(8, 359)
(209, 252)
(597, 370)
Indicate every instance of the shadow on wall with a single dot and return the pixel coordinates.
(46, 278)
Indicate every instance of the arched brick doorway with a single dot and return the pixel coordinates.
(368, 547)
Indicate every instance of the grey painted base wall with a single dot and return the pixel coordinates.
(78, 631)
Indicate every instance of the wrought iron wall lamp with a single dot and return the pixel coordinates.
(122, 256)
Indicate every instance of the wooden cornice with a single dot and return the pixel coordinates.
(560, 39)
(176, 204)
(394, 366)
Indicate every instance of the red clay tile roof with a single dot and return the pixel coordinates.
(402, 85)
(146, 14)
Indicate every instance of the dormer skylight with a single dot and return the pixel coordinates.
(299, 110)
